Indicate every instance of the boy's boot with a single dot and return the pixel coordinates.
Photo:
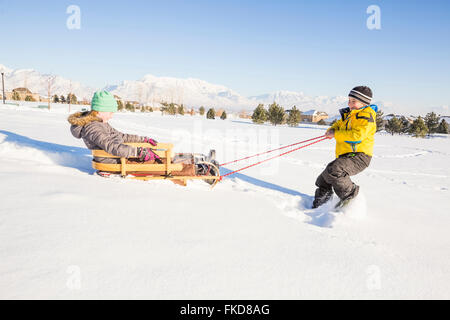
(343, 202)
(322, 196)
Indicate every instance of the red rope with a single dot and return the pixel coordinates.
(259, 154)
(252, 165)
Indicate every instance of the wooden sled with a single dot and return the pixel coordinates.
(155, 171)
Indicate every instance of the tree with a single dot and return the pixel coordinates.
(180, 110)
(380, 120)
(130, 107)
(294, 118)
(55, 99)
(394, 125)
(276, 114)
(50, 83)
(443, 127)
(16, 96)
(322, 122)
(406, 125)
(201, 110)
(120, 105)
(62, 99)
(71, 98)
(260, 114)
(432, 122)
(29, 98)
(211, 114)
(418, 128)
(223, 116)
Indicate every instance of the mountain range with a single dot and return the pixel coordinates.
(191, 92)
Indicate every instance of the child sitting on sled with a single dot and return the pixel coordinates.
(93, 127)
(354, 134)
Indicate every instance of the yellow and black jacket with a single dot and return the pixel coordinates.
(355, 131)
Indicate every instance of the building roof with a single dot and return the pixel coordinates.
(22, 90)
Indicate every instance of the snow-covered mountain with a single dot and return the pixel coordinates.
(38, 83)
(191, 92)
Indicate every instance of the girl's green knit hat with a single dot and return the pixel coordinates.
(104, 101)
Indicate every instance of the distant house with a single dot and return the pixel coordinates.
(244, 115)
(313, 116)
(22, 93)
(219, 112)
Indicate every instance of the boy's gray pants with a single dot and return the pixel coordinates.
(337, 174)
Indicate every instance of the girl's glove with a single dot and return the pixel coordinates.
(151, 141)
(147, 154)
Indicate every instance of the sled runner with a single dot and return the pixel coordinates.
(178, 168)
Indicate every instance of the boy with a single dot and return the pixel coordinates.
(354, 135)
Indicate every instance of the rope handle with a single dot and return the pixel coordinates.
(259, 154)
(282, 154)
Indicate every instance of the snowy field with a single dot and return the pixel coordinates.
(65, 233)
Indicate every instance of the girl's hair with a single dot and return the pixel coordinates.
(93, 113)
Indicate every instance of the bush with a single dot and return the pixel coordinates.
(180, 110)
(223, 116)
(201, 110)
(322, 122)
(29, 98)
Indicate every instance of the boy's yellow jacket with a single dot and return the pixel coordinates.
(355, 131)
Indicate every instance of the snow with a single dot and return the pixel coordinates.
(65, 233)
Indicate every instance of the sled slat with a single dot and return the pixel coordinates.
(137, 167)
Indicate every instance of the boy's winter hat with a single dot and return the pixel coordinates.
(361, 93)
(104, 101)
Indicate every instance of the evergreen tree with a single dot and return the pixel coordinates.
(432, 122)
(201, 110)
(380, 120)
(55, 99)
(294, 118)
(406, 125)
(419, 128)
(171, 109)
(150, 109)
(180, 110)
(260, 114)
(276, 114)
(72, 98)
(211, 114)
(443, 127)
(16, 96)
(223, 116)
(62, 99)
(120, 105)
(394, 125)
(29, 98)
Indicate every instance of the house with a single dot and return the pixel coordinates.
(22, 94)
(313, 116)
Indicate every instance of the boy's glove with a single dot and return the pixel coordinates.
(147, 154)
(151, 141)
(330, 134)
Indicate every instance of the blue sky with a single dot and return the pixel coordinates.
(253, 47)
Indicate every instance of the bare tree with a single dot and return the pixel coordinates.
(50, 83)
